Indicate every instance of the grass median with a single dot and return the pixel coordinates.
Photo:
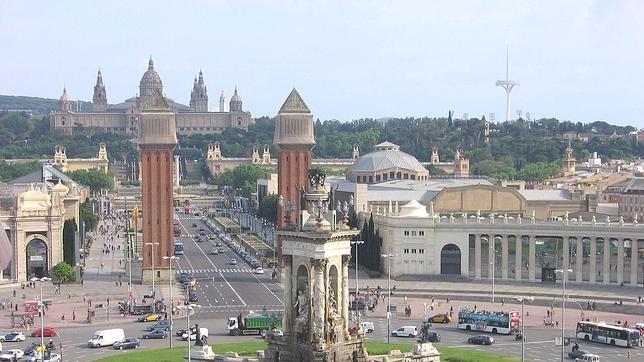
(448, 354)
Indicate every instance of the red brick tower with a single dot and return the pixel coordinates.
(294, 140)
(157, 139)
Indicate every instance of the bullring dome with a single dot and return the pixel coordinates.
(150, 81)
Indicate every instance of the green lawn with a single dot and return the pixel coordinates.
(448, 354)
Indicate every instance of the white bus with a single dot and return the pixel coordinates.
(178, 248)
(609, 334)
(483, 321)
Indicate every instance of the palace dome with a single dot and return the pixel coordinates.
(150, 81)
(386, 156)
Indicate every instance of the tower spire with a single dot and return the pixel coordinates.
(507, 84)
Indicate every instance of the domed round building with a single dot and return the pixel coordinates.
(386, 162)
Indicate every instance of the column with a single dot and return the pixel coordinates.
(565, 253)
(319, 301)
(634, 264)
(593, 260)
(345, 294)
(477, 256)
(532, 251)
(288, 293)
(620, 261)
(579, 260)
(518, 256)
(504, 257)
(606, 261)
(491, 251)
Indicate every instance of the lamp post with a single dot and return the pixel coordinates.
(388, 256)
(189, 308)
(42, 315)
(563, 273)
(151, 245)
(171, 258)
(522, 300)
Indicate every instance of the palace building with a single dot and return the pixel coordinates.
(123, 118)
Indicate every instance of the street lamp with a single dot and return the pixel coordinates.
(563, 273)
(522, 300)
(171, 258)
(189, 308)
(388, 256)
(151, 245)
(42, 315)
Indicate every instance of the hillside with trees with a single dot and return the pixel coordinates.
(519, 149)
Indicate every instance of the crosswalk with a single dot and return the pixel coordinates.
(212, 271)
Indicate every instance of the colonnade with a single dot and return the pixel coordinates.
(595, 273)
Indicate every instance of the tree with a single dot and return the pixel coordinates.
(9, 172)
(242, 177)
(95, 179)
(63, 272)
(88, 216)
(69, 245)
(268, 208)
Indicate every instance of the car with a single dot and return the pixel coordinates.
(181, 332)
(198, 238)
(127, 343)
(440, 318)
(588, 357)
(214, 251)
(481, 339)
(192, 297)
(259, 271)
(13, 337)
(156, 334)
(194, 224)
(153, 317)
(32, 347)
(12, 354)
(232, 261)
(35, 357)
(47, 332)
(163, 325)
(217, 243)
(576, 354)
(368, 327)
(433, 337)
(221, 249)
(405, 331)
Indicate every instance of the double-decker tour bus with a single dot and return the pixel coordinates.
(485, 321)
(607, 333)
(178, 248)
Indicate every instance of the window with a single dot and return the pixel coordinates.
(413, 233)
(377, 178)
(406, 232)
(406, 251)
(370, 179)
(398, 175)
(421, 251)
(384, 177)
(391, 175)
(421, 233)
(406, 176)
(413, 177)
(413, 251)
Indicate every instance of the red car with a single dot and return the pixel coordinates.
(47, 332)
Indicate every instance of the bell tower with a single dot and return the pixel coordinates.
(435, 157)
(100, 97)
(157, 139)
(569, 160)
(294, 141)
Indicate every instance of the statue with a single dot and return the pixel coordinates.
(302, 319)
(333, 305)
(200, 340)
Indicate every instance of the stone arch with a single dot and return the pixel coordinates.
(333, 281)
(37, 257)
(451, 259)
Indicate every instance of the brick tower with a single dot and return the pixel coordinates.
(294, 140)
(157, 139)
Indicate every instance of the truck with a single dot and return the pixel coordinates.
(253, 323)
(106, 337)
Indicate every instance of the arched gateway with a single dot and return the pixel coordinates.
(450, 259)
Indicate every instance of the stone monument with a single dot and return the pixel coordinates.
(316, 288)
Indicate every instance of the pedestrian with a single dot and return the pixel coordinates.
(502, 302)
(73, 315)
(63, 317)
(69, 294)
(14, 293)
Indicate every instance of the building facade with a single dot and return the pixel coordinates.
(123, 118)
(631, 201)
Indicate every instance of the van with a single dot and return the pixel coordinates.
(193, 335)
(405, 331)
(106, 337)
(367, 327)
(588, 357)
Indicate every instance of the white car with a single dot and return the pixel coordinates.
(258, 271)
(405, 331)
(13, 337)
(35, 357)
(11, 354)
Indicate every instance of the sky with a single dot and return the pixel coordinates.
(575, 60)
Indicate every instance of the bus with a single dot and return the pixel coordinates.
(484, 321)
(178, 248)
(607, 333)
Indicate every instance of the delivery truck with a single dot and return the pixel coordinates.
(253, 323)
(106, 337)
